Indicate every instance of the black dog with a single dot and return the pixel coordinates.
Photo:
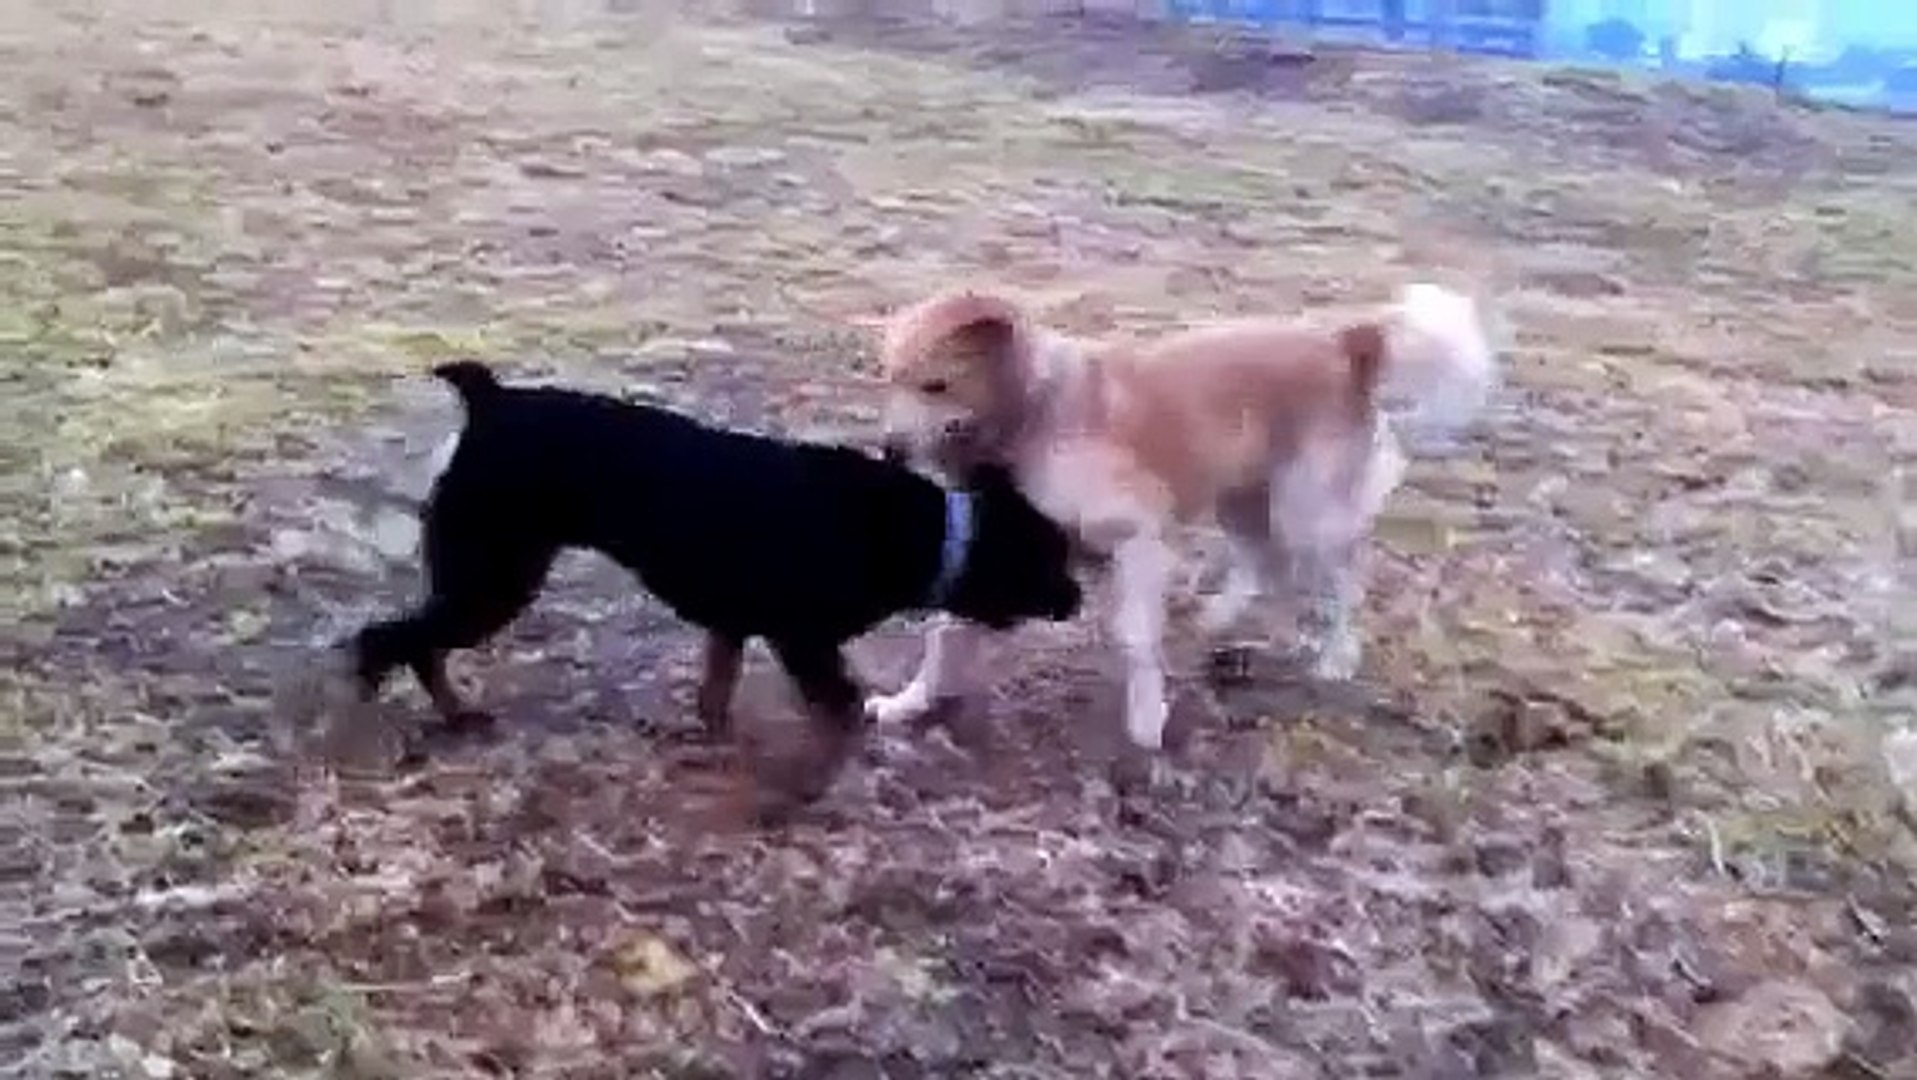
(804, 545)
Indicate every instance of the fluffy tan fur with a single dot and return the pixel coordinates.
(1279, 432)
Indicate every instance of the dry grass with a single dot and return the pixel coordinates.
(1624, 776)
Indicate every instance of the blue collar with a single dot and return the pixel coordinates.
(958, 543)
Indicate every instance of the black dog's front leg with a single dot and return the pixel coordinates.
(834, 710)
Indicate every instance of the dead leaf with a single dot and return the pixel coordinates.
(540, 169)
(647, 966)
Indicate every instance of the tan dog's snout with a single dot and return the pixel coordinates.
(901, 428)
(954, 444)
(913, 428)
(957, 435)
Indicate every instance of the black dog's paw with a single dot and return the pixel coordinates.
(781, 794)
(789, 781)
(469, 722)
(776, 809)
(412, 755)
(1228, 665)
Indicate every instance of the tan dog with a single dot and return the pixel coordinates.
(1283, 434)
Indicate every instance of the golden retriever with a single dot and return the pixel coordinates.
(1283, 433)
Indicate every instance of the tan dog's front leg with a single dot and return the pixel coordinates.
(945, 674)
(1142, 567)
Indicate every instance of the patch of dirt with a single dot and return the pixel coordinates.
(1668, 127)
(1617, 793)
(1070, 54)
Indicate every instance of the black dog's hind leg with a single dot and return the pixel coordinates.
(473, 594)
(834, 706)
(718, 681)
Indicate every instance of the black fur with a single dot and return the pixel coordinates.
(806, 546)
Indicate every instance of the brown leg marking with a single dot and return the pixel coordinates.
(788, 786)
(454, 711)
(837, 719)
(718, 682)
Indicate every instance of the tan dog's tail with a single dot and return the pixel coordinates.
(1440, 365)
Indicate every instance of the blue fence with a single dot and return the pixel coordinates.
(1516, 30)
(1863, 76)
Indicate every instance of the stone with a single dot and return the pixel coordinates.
(744, 156)
(1886, 1014)
(1781, 1028)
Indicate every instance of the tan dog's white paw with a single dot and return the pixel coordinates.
(1145, 718)
(1337, 661)
(903, 707)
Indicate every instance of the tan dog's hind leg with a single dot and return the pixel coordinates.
(1330, 578)
(1252, 562)
(951, 647)
(1323, 514)
(1142, 567)
(1244, 586)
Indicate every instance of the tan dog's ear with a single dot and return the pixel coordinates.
(991, 334)
(964, 325)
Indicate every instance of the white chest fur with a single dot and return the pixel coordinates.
(1088, 488)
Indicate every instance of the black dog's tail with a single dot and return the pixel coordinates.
(473, 381)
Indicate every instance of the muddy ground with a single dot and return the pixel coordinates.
(1617, 793)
